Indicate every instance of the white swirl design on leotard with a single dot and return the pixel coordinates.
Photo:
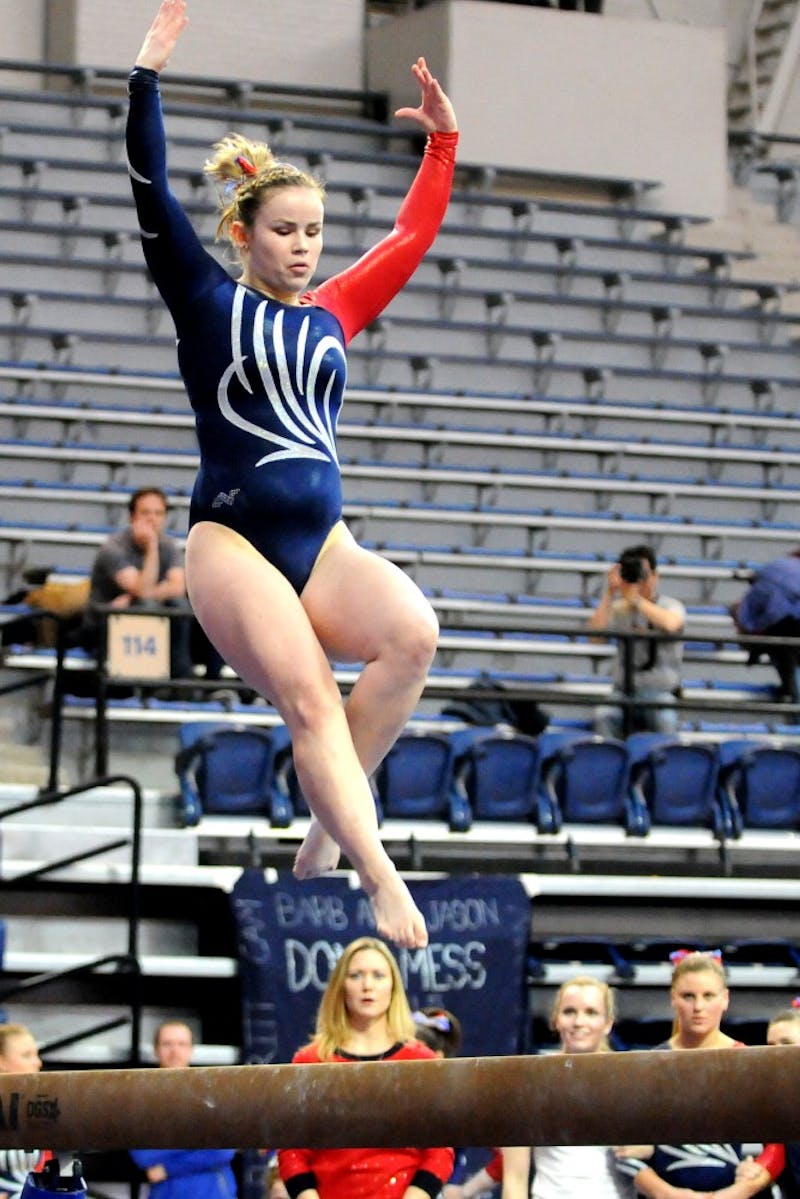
(309, 434)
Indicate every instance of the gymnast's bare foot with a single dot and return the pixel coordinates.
(397, 917)
(318, 854)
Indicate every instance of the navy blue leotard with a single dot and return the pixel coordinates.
(266, 379)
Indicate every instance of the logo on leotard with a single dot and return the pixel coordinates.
(308, 431)
(225, 498)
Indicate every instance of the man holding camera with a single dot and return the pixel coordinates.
(631, 601)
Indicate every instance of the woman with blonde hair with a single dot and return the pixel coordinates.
(582, 1015)
(274, 577)
(364, 1016)
(19, 1054)
(699, 996)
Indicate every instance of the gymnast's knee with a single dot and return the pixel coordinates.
(310, 710)
(414, 645)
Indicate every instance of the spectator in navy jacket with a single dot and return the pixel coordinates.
(184, 1173)
(771, 605)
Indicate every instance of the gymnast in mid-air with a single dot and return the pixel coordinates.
(273, 574)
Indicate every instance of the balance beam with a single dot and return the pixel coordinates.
(585, 1099)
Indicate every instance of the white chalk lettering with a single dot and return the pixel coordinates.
(462, 915)
(314, 911)
(253, 942)
(310, 965)
(442, 967)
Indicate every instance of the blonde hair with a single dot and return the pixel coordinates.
(585, 980)
(246, 172)
(333, 1024)
(788, 1016)
(7, 1031)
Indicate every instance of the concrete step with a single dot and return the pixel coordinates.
(110, 807)
(169, 847)
(19, 961)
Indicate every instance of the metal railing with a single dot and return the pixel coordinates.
(126, 962)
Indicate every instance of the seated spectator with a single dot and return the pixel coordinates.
(184, 1173)
(700, 998)
(19, 1054)
(139, 567)
(631, 600)
(771, 605)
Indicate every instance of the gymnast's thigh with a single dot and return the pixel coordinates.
(253, 616)
(358, 603)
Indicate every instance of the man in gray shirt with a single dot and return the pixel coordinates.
(138, 566)
(630, 601)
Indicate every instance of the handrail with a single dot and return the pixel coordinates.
(85, 78)
(508, 689)
(130, 958)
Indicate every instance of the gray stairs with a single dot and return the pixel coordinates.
(770, 25)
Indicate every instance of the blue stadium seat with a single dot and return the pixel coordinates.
(415, 781)
(657, 950)
(228, 770)
(497, 772)
(583, 952)
(762, 951)
(586, 779)
(760, 783)
(677, 781)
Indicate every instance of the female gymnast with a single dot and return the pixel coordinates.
(274, 577)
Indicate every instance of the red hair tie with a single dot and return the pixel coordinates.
(796, 1001)
(246, 165)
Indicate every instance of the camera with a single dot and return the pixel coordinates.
(631, 569)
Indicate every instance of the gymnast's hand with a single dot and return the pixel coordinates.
(169, 22)
(435, 112)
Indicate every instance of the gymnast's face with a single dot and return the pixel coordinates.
(581, 1021)
(700, 1000)
(20, 1055)
(784, 1032)
(367, 987)
(281, 249)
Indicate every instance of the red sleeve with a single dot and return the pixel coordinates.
(357, 295)
(773, 1158)
(494, 1166)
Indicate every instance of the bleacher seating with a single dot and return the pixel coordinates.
(561, 377)
(498, 770)
(229, 769)
(760, 783)
(677, 782)
(415, 781)
(557, 373)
